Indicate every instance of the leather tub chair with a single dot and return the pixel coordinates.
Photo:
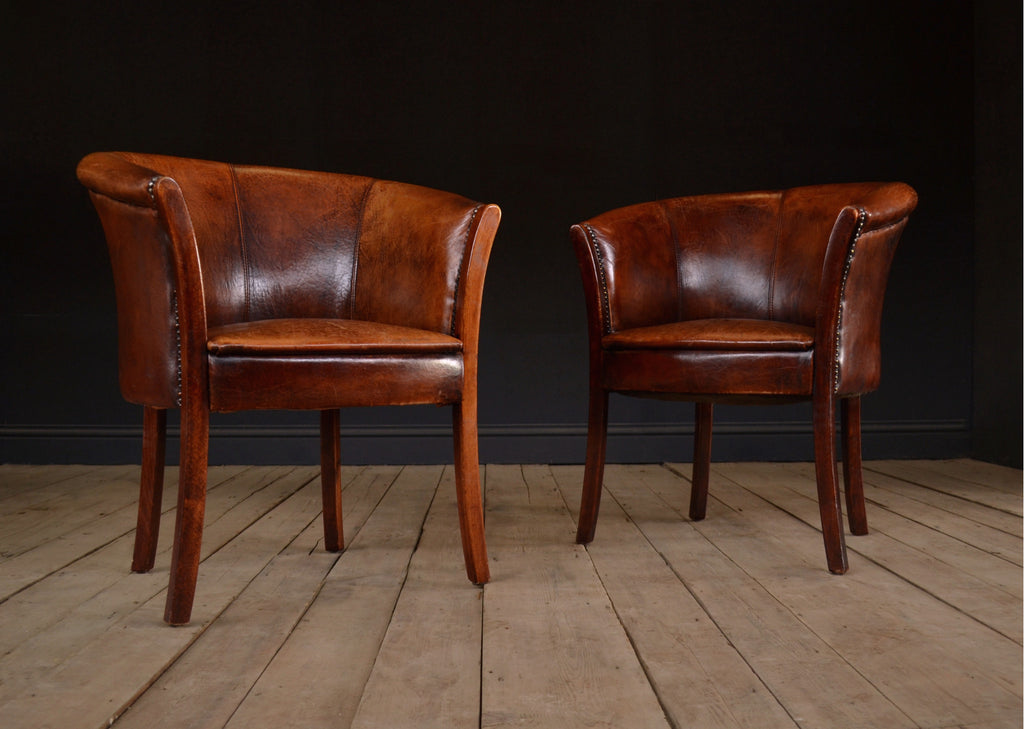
(751, 298)
(242, 287)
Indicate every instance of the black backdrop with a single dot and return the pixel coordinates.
(555, 111)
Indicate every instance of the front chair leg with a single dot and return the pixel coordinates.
(151, 488)
(853, 478)
(467, 490)
(188, 528)
(330, 479)
(593, 471)
(828, 482)
(701, 461)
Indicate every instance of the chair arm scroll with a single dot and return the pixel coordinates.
(470, 283)
(161, 314)
(854, 277)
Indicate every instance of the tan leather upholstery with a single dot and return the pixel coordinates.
(753, 297)
(242, 287)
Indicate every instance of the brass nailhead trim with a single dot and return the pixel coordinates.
(862, 218)
(177, 345)
(150, 187)
(601, 278)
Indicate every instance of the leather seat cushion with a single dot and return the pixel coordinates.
(715, 335)
(291, 337)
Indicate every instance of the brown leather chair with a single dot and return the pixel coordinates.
(244, 288)
(750, 298)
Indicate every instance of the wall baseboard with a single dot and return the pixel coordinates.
(510, 443)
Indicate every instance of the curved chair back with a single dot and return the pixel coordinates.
(755, 255)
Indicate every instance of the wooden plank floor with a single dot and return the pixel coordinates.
(661, 622)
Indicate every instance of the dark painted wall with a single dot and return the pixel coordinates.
(556, 111)
(998, 259)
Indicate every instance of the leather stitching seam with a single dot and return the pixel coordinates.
(177, 346)
(775, 259)
(243, 249)
(677, 249)
(355, 251)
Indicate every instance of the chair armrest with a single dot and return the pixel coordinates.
(161, 312)
(469, 292)
(595, 288)
(112, 175)
(854, 277)
(188, 285)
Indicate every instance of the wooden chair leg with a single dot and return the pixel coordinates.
(828, 482)
(151, 488)
(467, 489)
(188, 529)
(330, 479)
(701, 460)
(853, 479)
(593, 471)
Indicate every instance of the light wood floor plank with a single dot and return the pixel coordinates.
(100, 680)
(988, 474)
(728, 622)
(555, 654)
(48, 557)
(114, 515)
(943, 566)
(318, 676)
(959, 519)
(817, 685)
(993, 497)
(877, 624)
(60, 614)
(427, 673)
(68, 537)
(205, 686)
(100, 580)
(35, 516)
(16, 479)
(979, 513)
(698, 675)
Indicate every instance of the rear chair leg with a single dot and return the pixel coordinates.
(593, 471)
(853, 478)
(151, 488)
(330, 479)
(701, 461)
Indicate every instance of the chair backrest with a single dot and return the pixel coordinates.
(755, 255)
(272, 243)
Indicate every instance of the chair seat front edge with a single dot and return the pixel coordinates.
(696, 373)
(320, 383)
